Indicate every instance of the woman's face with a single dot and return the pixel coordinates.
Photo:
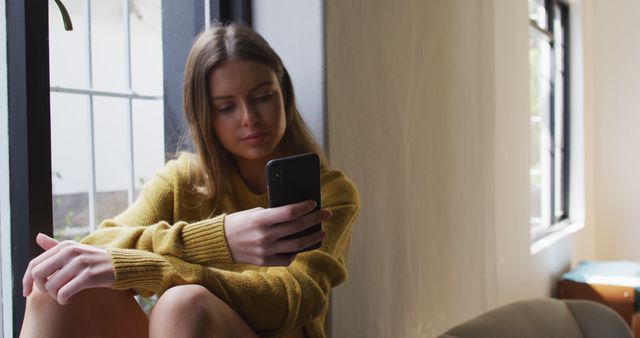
(248, 115)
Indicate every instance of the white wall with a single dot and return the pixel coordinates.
(428, 113)
(582, 119)
(614, 126)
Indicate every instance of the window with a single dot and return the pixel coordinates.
(106, 109)
(549, 114)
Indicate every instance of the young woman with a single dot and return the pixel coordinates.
(200, 235)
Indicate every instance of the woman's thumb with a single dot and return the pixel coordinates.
(45, 241)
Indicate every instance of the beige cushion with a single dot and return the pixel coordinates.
(545, 317)
(596, 320)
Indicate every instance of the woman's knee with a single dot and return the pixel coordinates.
(191, 298)
(118, 311)
(193, 311)
(83, 304)
(183, 311)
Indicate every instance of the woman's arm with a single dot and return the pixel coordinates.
(248, 236)
(241, 237)
(272, 301)
(149, 223)
(67, 268)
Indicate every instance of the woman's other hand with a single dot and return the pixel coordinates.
(66, 268)
(256, 236)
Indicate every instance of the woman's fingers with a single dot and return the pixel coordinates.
(281, 230)
(49, 267)
(75, 285)
(80, 265)
(59, 279)
(94, 271)
(297, 244)
(255, 236)
(27, 280)
(287, 212)
(41, 272)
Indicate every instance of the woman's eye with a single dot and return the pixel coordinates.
(263, 98)
(225, 108)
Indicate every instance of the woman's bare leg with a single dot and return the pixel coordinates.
(192, 311)
(91, 313)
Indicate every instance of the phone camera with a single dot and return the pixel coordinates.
(277, 175)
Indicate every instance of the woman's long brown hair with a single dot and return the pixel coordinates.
(211, 48)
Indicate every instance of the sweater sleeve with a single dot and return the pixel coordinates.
(146, 225)
(273, 301)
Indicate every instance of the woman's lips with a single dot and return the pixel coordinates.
(256, 138)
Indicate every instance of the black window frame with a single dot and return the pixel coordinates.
(29, 138)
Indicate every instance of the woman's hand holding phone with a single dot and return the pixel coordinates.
(259, 236)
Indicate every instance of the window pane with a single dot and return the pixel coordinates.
(535, 173)
(540, 99)
(538, 13)
(536, 154)
(108, 51)
(539, 76)
(146, 46)
(112, 156)
(148, 139)
(70, 164)
(67, 52)
(558, 184)
(558, 27)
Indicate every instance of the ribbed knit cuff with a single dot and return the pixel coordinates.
(137, 269)
(205, 242)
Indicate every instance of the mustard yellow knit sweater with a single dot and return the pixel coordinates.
(172, 236)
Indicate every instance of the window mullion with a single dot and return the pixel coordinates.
(564, 17)
(552, 133)
(127, 65)
(92, 144)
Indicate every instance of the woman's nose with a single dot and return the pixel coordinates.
(249, 115)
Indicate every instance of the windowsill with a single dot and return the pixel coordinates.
(554, 234)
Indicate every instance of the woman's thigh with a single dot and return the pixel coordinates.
(193, 311)
(96, 312)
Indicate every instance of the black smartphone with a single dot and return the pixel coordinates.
(295, 179)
